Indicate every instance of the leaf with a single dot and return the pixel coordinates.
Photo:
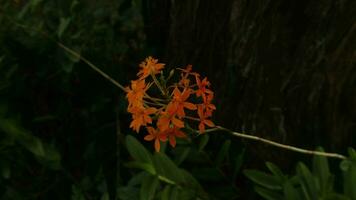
(182, 156)
(128, 193)
(203, 141)
(140, 165)
(350, 181)
(137, 150)
(307, 181)
(165, 193)
(137, 179)
(223, 152)
(268, 194)
(238, 163)
(275, 170)
(263, 179)
(322, 172)
(165, 167)
(63, 24)
(148, 187)
(105, 196)
(290, 192)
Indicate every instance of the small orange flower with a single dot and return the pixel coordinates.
(153, 134)
(141, 117)
(207, 105)
(165, 120)
(179, 102)
(203, 119)
(172, 133)
(136, 93)
(149, 66)
(202, 84)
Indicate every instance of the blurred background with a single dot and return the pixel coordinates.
(281, 70)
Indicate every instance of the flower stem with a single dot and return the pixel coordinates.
(283, 146)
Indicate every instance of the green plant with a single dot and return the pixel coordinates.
(317, 183)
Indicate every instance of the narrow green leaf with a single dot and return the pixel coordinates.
(141, 165)
(165, 167)
(322, 172)
(149, 187)
(137, 150)
(268, 194)
(290, 192)
(223, 152)
(238, 163)
(350, 181)
(105, 196)
(203, 141)
(63, 24)
(263, 179)
(166, 192)
(308, 181)
(182, 156)
(275, 170)
(137, 179)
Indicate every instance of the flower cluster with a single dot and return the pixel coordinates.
(164, 116)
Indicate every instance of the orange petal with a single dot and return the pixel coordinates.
(149, 137)
(190, 106)
(201, 127)
(177, 122)
(157, 145)
(172, 141)
(209, 123)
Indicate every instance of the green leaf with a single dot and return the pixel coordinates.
(33, 144)
(128, 193)
(137, 150)
(350, 181)
(275, 170)
(63, 24)
(268, 194)
(263, 179)
(223, 152)
(165, 167)
(148, 187)
(307, 181)
(137, 178)
(322, 172)
(105, 196)
(182, 156)
(140, 165)
(238, 163)
(166, 192)
(290, 192)
(203, 141)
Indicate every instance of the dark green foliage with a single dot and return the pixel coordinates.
(306, 184)
(59, 120)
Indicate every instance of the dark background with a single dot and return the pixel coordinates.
(282, 70)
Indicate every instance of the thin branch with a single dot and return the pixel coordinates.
(283, 146)
(92, 66)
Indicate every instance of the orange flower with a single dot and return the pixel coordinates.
(172, 133)
(207, 105)
(166, 118)
(136, 93)
(153, 134)
(202, 90)
(149, 66)
(141, 117)
(179, 102)
(203, 119)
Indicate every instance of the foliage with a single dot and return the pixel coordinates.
(161, 177)
(317, 183)
(58, 119)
